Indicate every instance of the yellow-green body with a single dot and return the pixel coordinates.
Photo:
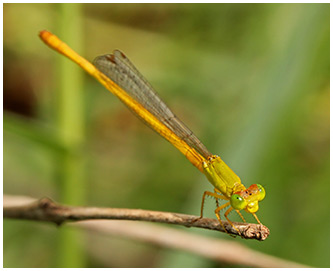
(221, 176)
(228, 187)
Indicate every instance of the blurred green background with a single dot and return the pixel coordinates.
(251, 80)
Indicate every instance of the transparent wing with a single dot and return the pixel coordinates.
(120, 70)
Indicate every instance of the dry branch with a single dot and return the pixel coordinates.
(47, 210)
(211, 248)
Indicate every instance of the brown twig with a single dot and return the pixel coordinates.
(216, 249)
(47, 210)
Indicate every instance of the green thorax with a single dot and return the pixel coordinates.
(221, 176)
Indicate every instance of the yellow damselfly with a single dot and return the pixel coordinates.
(121, 78)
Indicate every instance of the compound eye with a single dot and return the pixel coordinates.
(262, 192)
(237, 202)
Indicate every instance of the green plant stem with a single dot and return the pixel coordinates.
(70, 124)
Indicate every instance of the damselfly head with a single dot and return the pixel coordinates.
(248, 199)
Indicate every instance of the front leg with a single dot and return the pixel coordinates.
(205, 194)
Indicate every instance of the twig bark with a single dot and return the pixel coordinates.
(216, 249)
(47, 210)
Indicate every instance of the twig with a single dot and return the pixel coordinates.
(216, 249)
(47, 210)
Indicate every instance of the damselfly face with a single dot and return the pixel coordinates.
(248, 199)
